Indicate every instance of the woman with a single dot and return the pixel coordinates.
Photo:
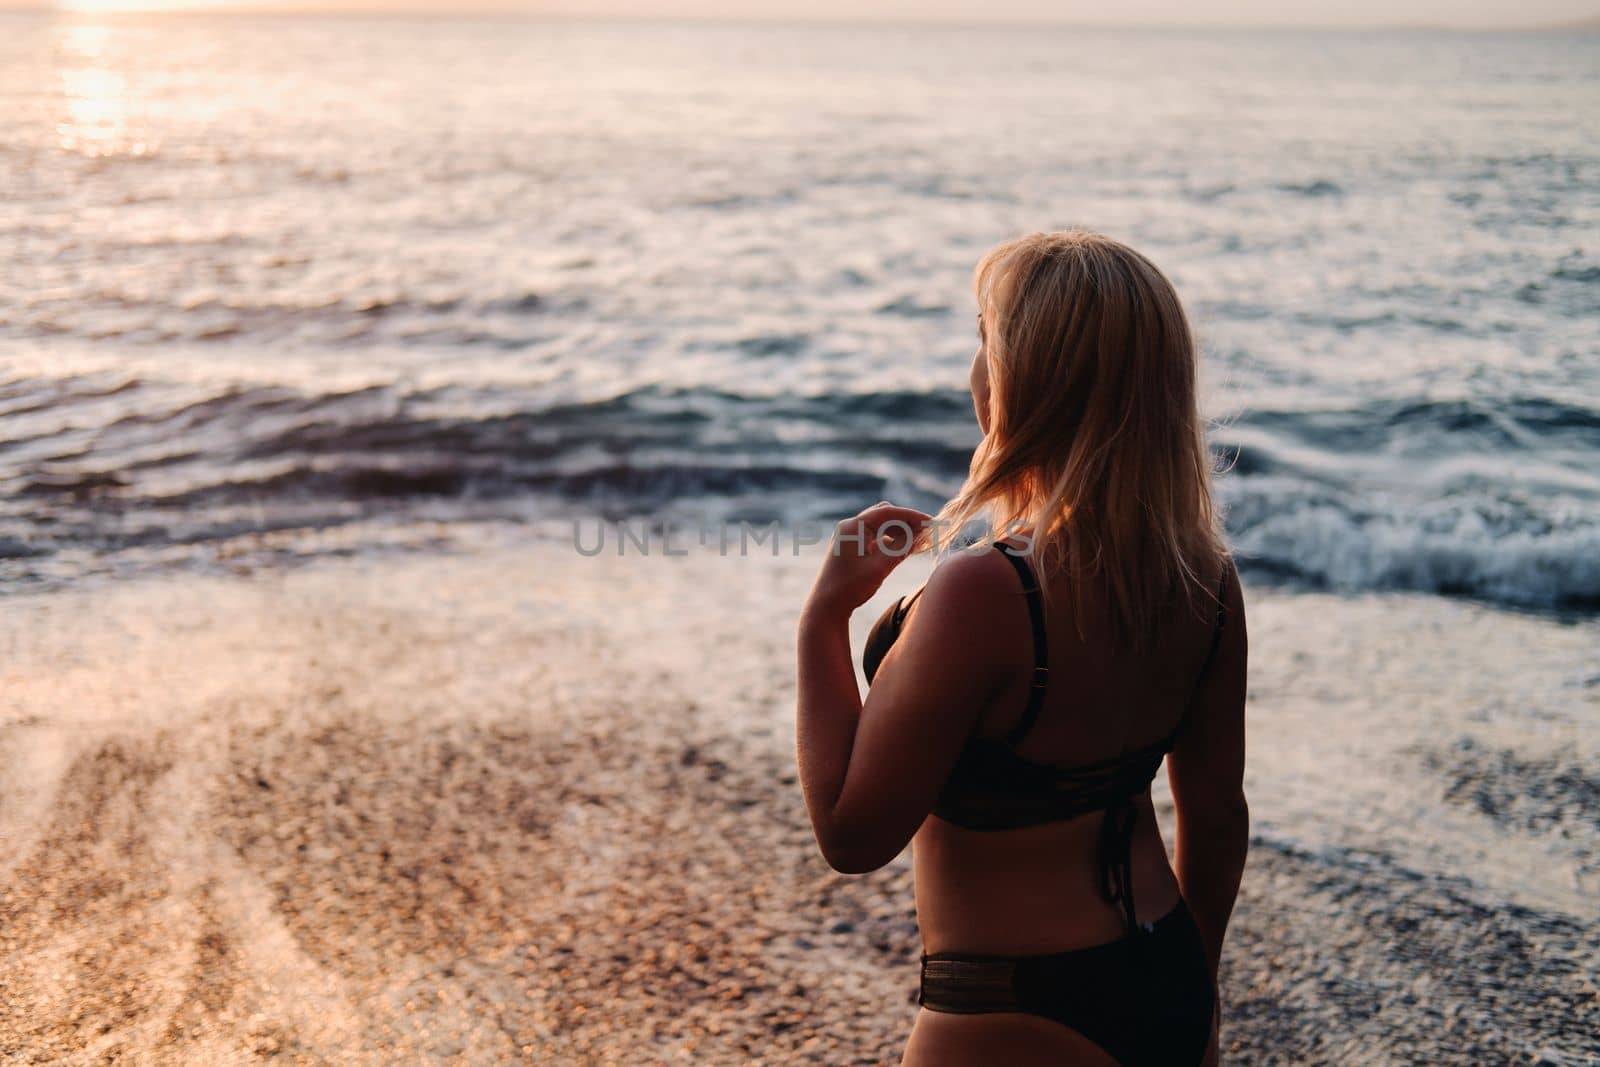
(1022, 701)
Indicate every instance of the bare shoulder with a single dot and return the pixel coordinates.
(965, 626)
(974, 592)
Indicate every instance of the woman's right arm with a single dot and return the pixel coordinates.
(1206, 772)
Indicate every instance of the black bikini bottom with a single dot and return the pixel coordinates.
(1145, 999)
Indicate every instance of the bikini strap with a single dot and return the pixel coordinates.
(1041, 650)
(1216, 633)
(1211, 654)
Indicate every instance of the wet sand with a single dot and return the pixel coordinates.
(523, 806)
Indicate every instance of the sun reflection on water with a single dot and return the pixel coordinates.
(96, 118)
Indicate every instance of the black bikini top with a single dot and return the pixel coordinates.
(991, 787)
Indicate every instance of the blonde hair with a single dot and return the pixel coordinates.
(1095, 440)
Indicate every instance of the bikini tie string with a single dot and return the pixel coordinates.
(1116, 858)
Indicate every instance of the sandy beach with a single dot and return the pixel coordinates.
(518, 805)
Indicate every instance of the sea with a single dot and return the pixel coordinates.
(277, 287)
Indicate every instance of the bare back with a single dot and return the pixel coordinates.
(1038, 889)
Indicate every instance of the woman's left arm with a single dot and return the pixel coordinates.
(871, 772)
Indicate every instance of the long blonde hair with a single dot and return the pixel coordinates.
(1095, 440)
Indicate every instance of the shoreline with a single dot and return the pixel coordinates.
(514, 805)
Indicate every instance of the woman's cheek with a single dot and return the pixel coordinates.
(979, 381)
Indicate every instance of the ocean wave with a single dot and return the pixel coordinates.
(1534, 423)
(912, 307)
(1380, 496)
(358, 313)
(1582, 275)
(1315, 188)
(1333, 543)
(1497, 501)
(330, 458)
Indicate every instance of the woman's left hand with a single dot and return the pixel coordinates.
(864, 549)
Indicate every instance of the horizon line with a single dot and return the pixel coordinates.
(1589, 24)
